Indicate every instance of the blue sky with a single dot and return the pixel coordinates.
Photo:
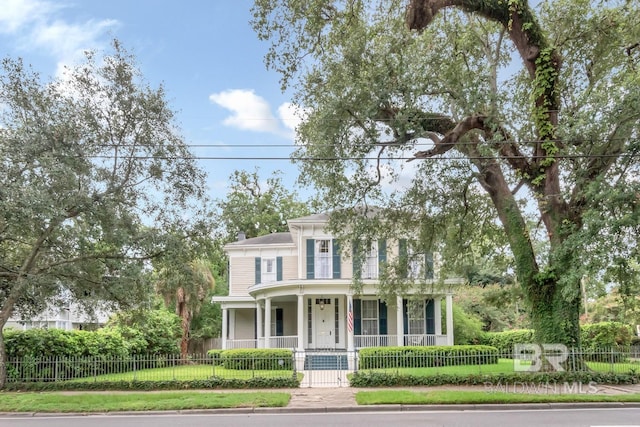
(205, 54)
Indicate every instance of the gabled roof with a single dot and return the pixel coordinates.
(269, 239)
(319, 217)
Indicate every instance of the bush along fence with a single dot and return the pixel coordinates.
(277, 368)
(250, 368)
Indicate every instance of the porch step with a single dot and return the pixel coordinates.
(326, 362)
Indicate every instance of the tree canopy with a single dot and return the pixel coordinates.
(475, 122)
(93, 172)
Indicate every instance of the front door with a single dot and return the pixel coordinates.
(325, 323)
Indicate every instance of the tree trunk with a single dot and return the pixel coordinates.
(3, 357)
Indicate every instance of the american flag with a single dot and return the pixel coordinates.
(350, 318)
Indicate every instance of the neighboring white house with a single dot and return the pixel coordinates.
(67, 318)
(294, 290)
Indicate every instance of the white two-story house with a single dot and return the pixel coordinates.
(294, 290)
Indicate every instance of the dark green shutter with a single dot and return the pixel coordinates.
(382, 251)
(382, 313)
(310, 257)
(279, 322)
(430, 316)
(357, 317)
(335, 248)
(404, 261)
(405, 317)
(279, 268)
(258, 271)
(428, 267)
(356, 260)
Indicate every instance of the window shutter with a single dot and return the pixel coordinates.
(382, 251)
(357, 316)
(279, 322)
(405, 317)
(428, 265)
(356, 260)
(382, 313)
(430, 316)
(310, 255)
(404, 261)
(279, 269)
(335, 249)
(258, 270)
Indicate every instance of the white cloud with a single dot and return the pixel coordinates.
(15, 14)
(252, 112)
(35, 25)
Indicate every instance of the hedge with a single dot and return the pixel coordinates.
(211, 383)
(259, 359)
(423, 357)
(383, 379)
(594, 337)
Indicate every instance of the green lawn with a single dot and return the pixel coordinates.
(103, 402)
(406, 397)
(186, 373)
(504, 366)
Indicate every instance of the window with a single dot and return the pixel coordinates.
(323, 259)
(268, 270)
(415, 314)
(369, 317)
(370, 264)
(416, 263)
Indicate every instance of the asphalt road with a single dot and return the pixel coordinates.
(476, 418)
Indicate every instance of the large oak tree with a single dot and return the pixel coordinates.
(93, 171)
(521, 123)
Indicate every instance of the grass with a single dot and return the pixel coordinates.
(185, 372)
(504, 366)
(160, 401)
(406, 397)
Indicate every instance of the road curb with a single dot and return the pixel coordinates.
(336, 409)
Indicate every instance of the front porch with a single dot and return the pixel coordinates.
(334, 322)
(360, 341)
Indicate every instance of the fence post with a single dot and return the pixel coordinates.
(612, 360)
(293, 362)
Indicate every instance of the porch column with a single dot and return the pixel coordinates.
(267, 322)
(225, 329)
(259, 327)
(437, 314)
(399, 321)
(232, 323)
(350, 339)
(449, 313)
(300, 322)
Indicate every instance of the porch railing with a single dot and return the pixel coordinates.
(362, 341)
(274, 342)
(283, 342)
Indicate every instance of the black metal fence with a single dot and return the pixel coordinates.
(203, 366)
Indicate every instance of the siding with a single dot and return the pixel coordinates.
(242, 270)
(289, 268)
(245, 324)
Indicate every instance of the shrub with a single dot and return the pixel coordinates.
(467, 327)
(382, 379)
(505, 341)
(215, 355)
(423, 357)
(261, 359)
(604, 335)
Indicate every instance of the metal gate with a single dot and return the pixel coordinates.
(325, 368)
